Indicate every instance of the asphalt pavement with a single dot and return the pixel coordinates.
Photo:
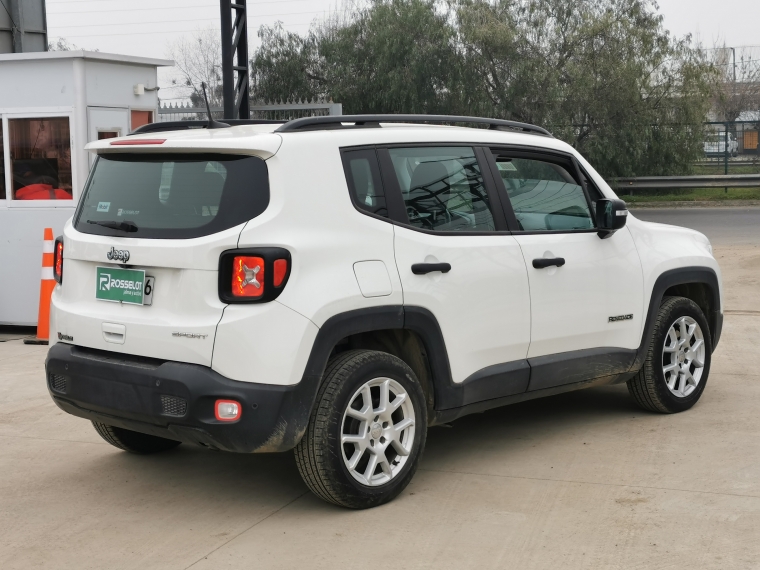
(722, 226)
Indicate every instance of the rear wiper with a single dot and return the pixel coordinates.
(123, 226)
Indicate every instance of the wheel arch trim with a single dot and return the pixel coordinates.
(681, 276)
(387, 317)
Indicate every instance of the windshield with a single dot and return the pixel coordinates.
(171, 195)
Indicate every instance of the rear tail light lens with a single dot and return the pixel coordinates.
(248, 276)
(58, 260)
(280, 271)
(253, 275)
(227, 410)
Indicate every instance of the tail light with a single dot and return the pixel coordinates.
(254, 275)
(248, 276)
(58, 259)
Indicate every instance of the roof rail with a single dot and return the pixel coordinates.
(186, 125)
(337, 122)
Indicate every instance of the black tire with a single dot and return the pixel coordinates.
(133, 441)
(649, 388)
(319, 455)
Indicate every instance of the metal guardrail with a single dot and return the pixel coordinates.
(678, 182)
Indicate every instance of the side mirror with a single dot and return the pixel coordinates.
(611, 215)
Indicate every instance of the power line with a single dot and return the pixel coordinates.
(152, 32)
(180, 7)
(172, 21)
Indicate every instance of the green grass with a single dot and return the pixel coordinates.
(733, 168)
(697, 195)
(704, 194)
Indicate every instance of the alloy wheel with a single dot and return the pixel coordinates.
(377, 431)
(683, 356)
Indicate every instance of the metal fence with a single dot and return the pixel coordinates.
(739, 137)
(274, 111)
(628, 185)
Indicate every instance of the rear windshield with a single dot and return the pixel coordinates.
(171, 195)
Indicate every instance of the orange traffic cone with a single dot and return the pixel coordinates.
(46, 291)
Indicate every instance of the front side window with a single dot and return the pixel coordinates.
(40, 151)
(172, 195)
(544, 195)
(364, 182)
(442, 188)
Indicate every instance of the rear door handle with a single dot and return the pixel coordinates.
(543, 262)
(423, 268)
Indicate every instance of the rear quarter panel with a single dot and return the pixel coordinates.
(311, 215)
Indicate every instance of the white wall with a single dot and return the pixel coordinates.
(110, 85)
(44, 83)
(21, 233)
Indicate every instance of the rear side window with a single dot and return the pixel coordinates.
(442, 188)
(544, 195)
(172, 195)
(364, 182)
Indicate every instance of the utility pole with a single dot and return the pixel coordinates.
(733, 52)
(23, 26)
(235, 59)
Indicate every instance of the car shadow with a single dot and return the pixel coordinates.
(250, 480)
(535, 419)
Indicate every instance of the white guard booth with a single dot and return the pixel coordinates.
(51, 105)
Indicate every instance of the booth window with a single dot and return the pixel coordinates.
(40, 158)
(140, 118)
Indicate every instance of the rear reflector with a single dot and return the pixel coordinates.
(247, 276)
(227, 410)
(130, 142)
(280, 271)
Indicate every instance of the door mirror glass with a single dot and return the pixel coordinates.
(611, 215)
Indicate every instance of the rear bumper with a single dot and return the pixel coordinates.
(176, 400)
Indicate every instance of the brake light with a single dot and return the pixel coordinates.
(280, 271)
(253, 275)
(58, 260)
(130, 142)
(227, 410)
(248, 276)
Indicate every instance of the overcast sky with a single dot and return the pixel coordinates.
(142, 27)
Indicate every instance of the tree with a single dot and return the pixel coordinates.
(394, 56)
(62, 44)
(738, 83)
(603, 75)
(198, 59)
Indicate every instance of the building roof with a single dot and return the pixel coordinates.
(91, 55)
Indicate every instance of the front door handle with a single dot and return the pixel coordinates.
(543, 262)
(423, 268)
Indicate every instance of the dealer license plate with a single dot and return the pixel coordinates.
(124, 286)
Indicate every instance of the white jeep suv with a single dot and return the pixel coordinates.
(335, 285)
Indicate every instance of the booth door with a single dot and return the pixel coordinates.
(105, 123)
